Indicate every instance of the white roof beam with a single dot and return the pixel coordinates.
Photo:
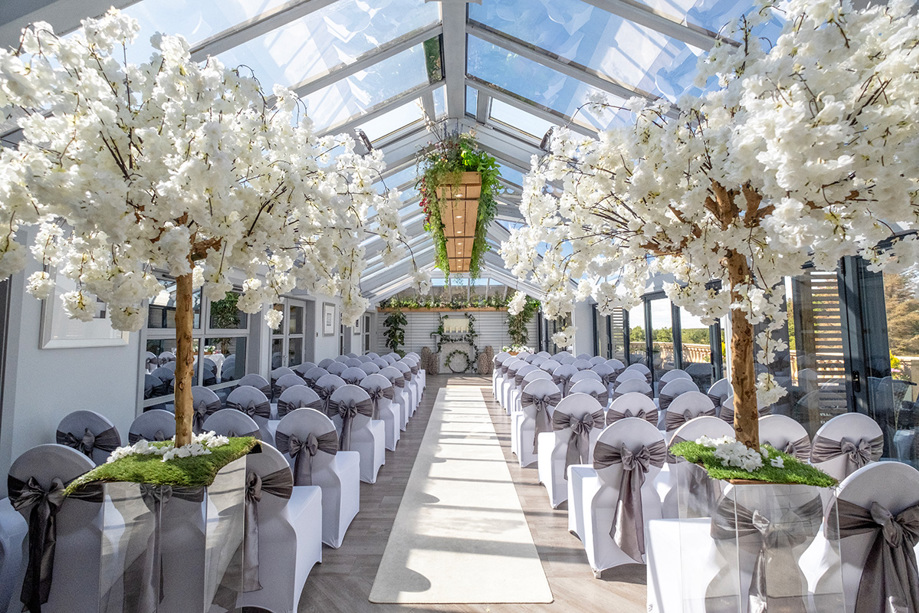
(453, 15)
(366, 60)
(381, 109)
(525, 104)
(668, 25)
(255, 27)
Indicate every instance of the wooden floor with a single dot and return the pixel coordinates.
(341, 584)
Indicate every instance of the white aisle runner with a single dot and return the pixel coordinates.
(460, 535)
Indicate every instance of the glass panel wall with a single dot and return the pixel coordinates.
(638, 350)
(696, 350)
(893, 395)
(663, 354)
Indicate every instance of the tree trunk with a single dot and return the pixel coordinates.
(743, 374)
(185, 359)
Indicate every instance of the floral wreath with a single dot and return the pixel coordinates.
(448, 360)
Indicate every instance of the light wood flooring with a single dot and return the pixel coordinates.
(341, 584)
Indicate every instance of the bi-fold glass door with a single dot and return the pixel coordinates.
(288, 343)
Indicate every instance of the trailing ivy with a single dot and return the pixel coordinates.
(455, 304)
(442, 163)
(394, 330)
(440, 336)
(517, 324)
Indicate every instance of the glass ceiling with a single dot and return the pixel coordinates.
(381, 65)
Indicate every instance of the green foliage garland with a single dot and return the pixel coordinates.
(469, 337)
(449, 360)
(517, 324)
(437, 302)
(442, 163)
(394, 330)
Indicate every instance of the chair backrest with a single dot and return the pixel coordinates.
(706, 425)
(720, 389)
(373, 355)
(353, 362)
(592, 388)
(563, 354)
(152, 425)
(206, 399)
(550, 365)
(676, 373)
(381, 363)
(288, 381)
(89, 433)
(892, 485)
(232, 423)
(522, 372)
(301, 423)
(584, 356)
(854, 428)
(535, 374)
(342, 358)
(499, 358)
(370, 368)
(314, 374)
(627, 386)
(640, 368)
(152, 386)
(272, 468)
(616, 365)
(538, 360)
(562, 376)
(324, 363)
(256, 381)
(298, 397)
(578, 404)
(151, 361)
(363, 359)
(687, 405)
(404, 368)
(632, 434)
(353, 375)
(44, 463)
(675, 388)
(277, 373)
(581, 364)
(390, 358)
(539, 388)
(336, 368)
(394, 376)
(632, 404)
(597, 359)
(329, 382)
(625, 375)
(165, 375)
(528, 357)
(513, 366)
(785, 434)
(565, 359)
(304, 367)
(374, 382)
(166, 356)
(228, 369)
(251, 401)
(581, 375)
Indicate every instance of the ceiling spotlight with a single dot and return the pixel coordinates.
(544, 143)
(363, 136)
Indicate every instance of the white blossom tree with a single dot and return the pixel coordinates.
(178, 167)
(806, 151)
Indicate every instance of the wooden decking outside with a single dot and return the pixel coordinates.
(341, 584)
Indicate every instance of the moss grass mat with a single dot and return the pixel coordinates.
(191, 472)
(794, 470)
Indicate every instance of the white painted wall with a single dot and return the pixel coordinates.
(584, 338)
(41, 386)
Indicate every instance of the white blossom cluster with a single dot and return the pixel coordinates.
(173, 164)
(201, 444)
(733, 453)
(806, 151)
(565, 338)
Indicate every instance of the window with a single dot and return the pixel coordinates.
(366, 333)
(288, 342)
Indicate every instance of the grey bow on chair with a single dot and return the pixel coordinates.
(279, 483)
(285, 407)
(628, 527)
(858, 453)
(564, 381)
(665, 400)
(297, 449)
(252, 409)
(133, 437)
(799, 449)
(777, 579)
(579, 442)
(44, 505)
(674, 420)
(377, 394)
(542, 404)
(348, 409)
(107, 440)
(650, 415)
(202, 411)
(890, 579)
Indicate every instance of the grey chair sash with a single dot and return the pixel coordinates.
(542, 404)
(649, 416)
(564, 381)
(107, 440)
(799, 449)
(353, 380)
(325, 395)
(414, 369)
(285, 407)
(617, 395)
(260, 409)
(628, 527)
(407, 376)
(607, 380)
(297, 449)
(202, 411)
(602, 397)
(133, 437)
(376, 395)
(858, 453)
(518, 379)
(398, 382)
(890, 578)
(674, 420)
(716, 399)
(44, 506)
(665, 400)
(279, 483)
(234, 434)
(579, 442)
(776, 574)
(348, 410)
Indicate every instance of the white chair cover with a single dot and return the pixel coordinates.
(286, 382)
(383, 395)
(232, 423)
(637, 385)
(325, 363)
(576, 421)
(785, 434)
(632, 404)
(325, 386)
(684, 407)
(381, 363)
(593, 388)
(550, 365)
(719, 391)
(353, 375)
(298, 397)
(846, 443)
(584, 356)
(402, 397)
(287, 540)
(353, 362)
(562, 377)
(642, 369)
(258, 382)
(308, 440)
(364, 359)
(303, 367)
(676, 373)
(90, 433)
(370, 368)
(166, 357)
(275, 375)
(625, 375)
(313, 375)
(228, 369)
(254, 403)
(597, 359)
(673, 389)
(538, 400)
(582, 364)
(373, 355)
(587, 374)
(410, 385)
(166, 378)
(336, 368)
(351, 410)
(152, 425)
(206, 403)
(565, 360)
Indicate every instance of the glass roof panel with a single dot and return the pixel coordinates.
(539, 83)
(519, 119)
(393, 121)
(472, 100)
(440, 102)
(329, 37)
(712, 15)
(356, 94)
(511, 175)
(592, 37)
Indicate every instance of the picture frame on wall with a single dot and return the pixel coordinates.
(328, 319)
(61, 332)
(356, 326)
